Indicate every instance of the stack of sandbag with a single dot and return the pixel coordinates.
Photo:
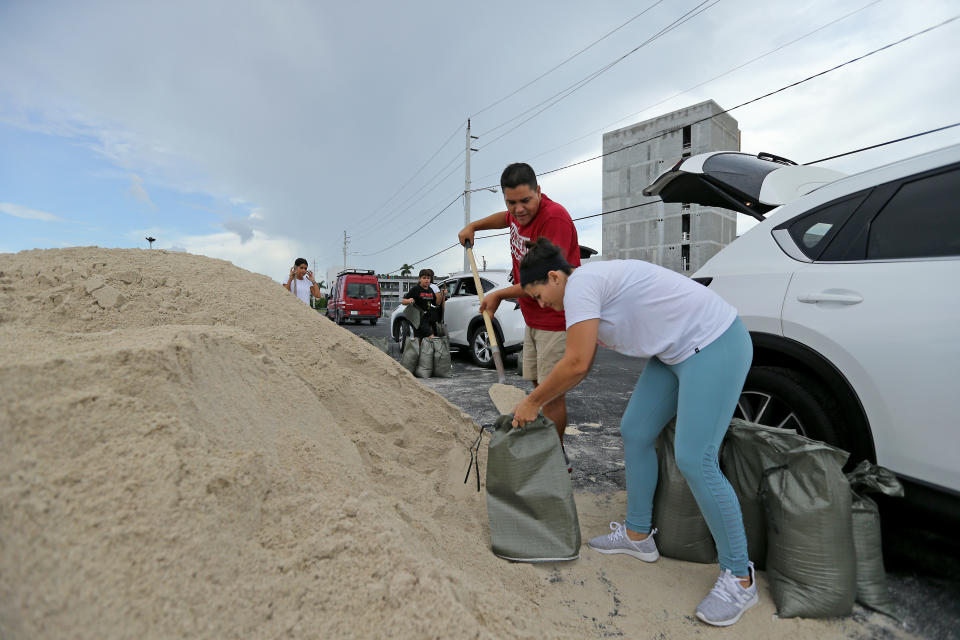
(742, 459)
(683, 532)
(410, 357)
(811, 559)
(530, 505)
(871, 575)
(434, 359)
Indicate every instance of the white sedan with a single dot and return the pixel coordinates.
(464, 323)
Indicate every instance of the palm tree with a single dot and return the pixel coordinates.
(406, 269)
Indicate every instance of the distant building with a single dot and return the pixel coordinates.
(680, 237)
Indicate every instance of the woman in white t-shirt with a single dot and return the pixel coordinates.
(699, 354)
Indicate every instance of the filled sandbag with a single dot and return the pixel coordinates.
(684, 534)
(413, 314)
(811, 562)
(533, 517)
(411, 355)
(378, 342)
(425, 362)
(871, 576)
(442, 364)
(741, 459)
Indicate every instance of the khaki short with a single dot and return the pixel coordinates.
(542, 351)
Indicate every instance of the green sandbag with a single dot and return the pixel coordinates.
(379, 343)
(411, 355)
(425, 362)
(442, 364)
(811, 562)
(871, 576)
(413, 313)
(684, 534)
(533, 517)
(742, 464)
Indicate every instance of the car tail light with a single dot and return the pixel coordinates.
(704, 281)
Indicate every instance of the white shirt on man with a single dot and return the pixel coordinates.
(646, 310)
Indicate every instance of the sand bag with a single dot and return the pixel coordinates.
(741, 459)
(871, 575)
(533, 517)
(425, 362)
(413, 314)
(811, 562)
(411, 355)
(684, 534)
(442, 364)
(379, 343)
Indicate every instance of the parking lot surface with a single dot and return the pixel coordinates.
(920, 553)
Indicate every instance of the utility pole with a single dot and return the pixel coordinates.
(344, 250)
(466, 191)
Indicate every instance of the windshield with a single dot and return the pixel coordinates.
(361, 290)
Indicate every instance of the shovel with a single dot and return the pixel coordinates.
(504, 396)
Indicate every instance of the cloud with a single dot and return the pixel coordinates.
(137, 191)
(30, 214)
(239, 227)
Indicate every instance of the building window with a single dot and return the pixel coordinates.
(685, 227)
(685, 257)
(686, 137)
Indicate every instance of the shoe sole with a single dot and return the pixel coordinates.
(735, 619)
(640, 555)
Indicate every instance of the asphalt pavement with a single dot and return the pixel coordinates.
(920, 553)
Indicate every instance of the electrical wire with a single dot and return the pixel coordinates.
(644, 204)
(407, 237)
(705, 82)
(883, 144)
(552, 69)
(416, 173)
(559, 96)
(758, 98)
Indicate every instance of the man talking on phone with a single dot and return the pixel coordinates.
(301, 282)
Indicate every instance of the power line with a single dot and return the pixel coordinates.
(716, 77)
(437, 215)
(644, 204)
(757, 99)
(416, 173)
(883, 144)
(557, 97)
(552, 69)
(766, 95)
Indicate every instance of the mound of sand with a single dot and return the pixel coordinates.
(186, 450)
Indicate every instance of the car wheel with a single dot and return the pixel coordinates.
(404, 333)
(373, 322)
(339, 317)
(788, 399)
(481, 352)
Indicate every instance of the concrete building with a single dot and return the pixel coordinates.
(680, 237)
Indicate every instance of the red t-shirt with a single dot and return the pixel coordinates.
(553, 223)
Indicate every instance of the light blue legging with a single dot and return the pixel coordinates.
(702, 392)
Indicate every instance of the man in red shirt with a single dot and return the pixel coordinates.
(530, 215)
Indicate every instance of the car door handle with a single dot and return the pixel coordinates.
(826, 296)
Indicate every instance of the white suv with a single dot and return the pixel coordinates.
(464, 324)
(851, 292)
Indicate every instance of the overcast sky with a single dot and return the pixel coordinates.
(258, 132)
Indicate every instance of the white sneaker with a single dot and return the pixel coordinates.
(618, 542)
(728, 599)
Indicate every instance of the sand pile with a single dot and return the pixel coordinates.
(186, 450)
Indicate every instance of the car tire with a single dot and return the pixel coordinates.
(404, 333)
(339, 317)
(481, 352)
(789, 399)
(373, 322)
